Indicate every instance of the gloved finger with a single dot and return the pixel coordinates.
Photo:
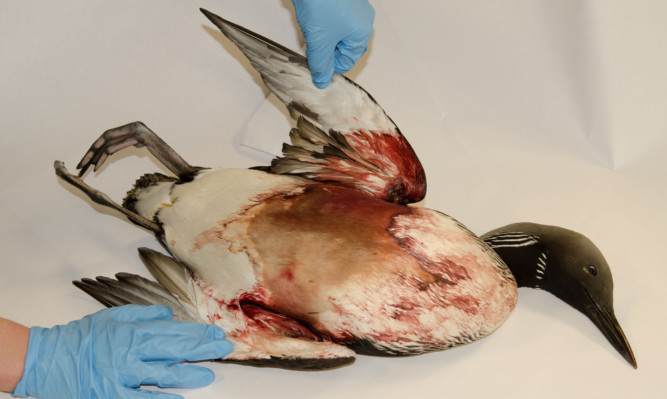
(172, 328)
(320, 52)
(321, 64)
(139, 313)
(182, 349)
(175, 375)
(322, 79)
(347, 56)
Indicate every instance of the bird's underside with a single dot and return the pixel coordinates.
(302, 274)
(316, 257)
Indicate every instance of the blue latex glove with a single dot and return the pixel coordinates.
(336, 34)
(107, 354)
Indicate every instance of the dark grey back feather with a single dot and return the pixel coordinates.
(174, 287)
(171, 274)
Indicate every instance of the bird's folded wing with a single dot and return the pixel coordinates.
(342, 135)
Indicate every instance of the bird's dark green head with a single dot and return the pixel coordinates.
(568, 265)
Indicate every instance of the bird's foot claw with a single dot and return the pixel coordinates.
(110, 142)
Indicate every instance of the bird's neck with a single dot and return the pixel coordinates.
(525, 256)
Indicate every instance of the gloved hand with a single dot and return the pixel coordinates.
(106, 354)
(336, 34)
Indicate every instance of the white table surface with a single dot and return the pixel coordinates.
(544, 111)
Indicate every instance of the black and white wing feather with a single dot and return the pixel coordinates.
(342, 135)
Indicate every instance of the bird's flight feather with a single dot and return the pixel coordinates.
(342, 136)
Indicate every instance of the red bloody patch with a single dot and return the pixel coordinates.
(265, 319)
(213, 235)
(382, 165)
(287, 274)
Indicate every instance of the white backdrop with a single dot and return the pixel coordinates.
(546, 111)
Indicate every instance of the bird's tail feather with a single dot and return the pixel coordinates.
(174, 287)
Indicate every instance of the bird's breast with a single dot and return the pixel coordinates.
(356, 267)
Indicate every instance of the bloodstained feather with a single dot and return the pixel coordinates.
(378, 155)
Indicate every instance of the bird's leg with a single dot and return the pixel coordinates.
(139, 135)
(102, 199)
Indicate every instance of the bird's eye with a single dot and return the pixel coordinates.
(592, 270)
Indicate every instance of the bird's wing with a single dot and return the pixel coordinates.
(342, 135)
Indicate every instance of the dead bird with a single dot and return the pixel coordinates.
(317, 257)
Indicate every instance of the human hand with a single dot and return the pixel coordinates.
(107, 354)
(336, 34)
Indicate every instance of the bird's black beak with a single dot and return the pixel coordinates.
(606, 321)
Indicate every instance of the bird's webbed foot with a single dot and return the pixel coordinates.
(138, 135)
